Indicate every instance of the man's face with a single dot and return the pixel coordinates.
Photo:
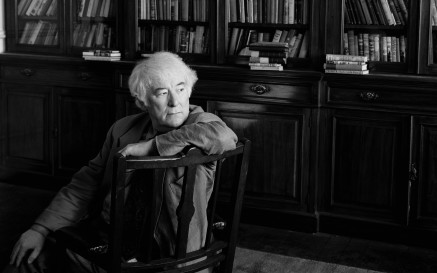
(168, 104)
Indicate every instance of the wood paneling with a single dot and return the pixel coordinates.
(424, 178)
(83, 118)
(26, 127)
(369, 165)
(278, 169)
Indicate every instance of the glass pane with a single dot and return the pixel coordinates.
(433, 48)
(173, 25)
(94, 24)
(38, 22)
(376, 29)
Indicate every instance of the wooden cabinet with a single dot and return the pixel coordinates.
(53, 126)
(277, 182)
(377, 173)
(26, 123)
(61, 27)
(81, 119)
(422, 178)
(367, 165)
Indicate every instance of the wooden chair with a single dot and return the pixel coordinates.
(219, 249)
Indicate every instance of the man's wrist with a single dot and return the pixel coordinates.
(40, 229)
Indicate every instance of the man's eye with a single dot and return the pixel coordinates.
(182, 89)
(162, 93)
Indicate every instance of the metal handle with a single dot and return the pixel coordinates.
(369, 96)
(259, 89)
(84, 76)
(27, 72)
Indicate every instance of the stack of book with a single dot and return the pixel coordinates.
(101, 55)
(268, 56)
(346, 64)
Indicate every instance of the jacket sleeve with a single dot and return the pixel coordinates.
(72, 202)
(205, 131)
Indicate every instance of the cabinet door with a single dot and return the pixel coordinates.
(25, 128)
(277, 180)
(423, 173)
(83, 117)
(367, 165)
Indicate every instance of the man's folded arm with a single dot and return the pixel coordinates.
(208, 133)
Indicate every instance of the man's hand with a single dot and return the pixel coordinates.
(139, 149)
(30, 240)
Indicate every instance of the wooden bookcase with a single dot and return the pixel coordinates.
(332, 153)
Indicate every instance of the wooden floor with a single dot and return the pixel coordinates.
(19, 205)
(356, 255)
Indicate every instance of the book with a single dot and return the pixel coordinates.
(100, 58)
(267, 60)
(278, 54)
(346, 62)
(338, 57)
(304, 47)
(354, 72)
(358, 67)
(345, 44)
(264, 64)
(270, 68)
(102, 53)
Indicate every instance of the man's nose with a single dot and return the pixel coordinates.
(173, 99)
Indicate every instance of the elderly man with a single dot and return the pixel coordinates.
(161, 86)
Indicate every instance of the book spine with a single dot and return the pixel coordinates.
(351, 42)
(336, 57)
(353, 72)
(387, 12)
(377, 47)
(345, 62)
(345, 44)
(277, 54)
(267, 60)
(357, 67)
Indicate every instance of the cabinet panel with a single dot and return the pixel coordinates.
(82, 122)
(26, 127)
(277, 177)
(369, 165)
(423, 176)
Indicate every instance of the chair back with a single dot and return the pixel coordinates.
(218, 250)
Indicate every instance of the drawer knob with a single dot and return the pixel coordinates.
(27, 72)
(259, 89)
(84, 76)
(369, 96)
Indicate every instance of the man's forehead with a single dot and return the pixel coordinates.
(169, 83)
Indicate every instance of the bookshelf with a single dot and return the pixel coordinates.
(93, 25)
(249, 21)
(37, 26)
(180, 26)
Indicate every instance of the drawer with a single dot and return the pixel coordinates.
(255, 91)
(52, 75)
(387, 97)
